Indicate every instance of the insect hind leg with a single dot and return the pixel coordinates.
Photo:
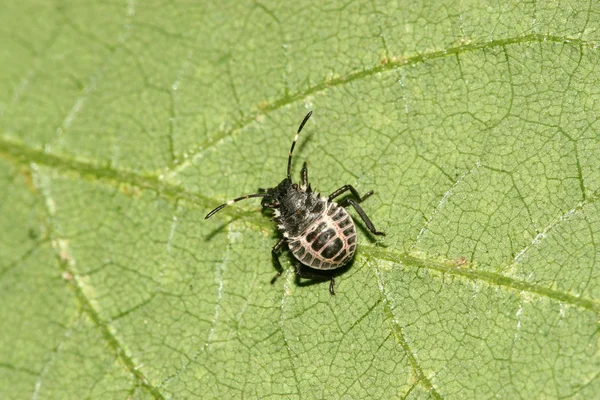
(314, 278)
(350, 188)
(363, 215)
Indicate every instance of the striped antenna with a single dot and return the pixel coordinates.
(289, 175)
(216, 210)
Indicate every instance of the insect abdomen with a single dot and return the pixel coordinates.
(329, 242)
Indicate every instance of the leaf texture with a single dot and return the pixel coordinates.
(123, 124)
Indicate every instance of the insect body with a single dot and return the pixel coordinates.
(329, 241)
(318, 231)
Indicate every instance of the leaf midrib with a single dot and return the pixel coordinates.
(21, 154)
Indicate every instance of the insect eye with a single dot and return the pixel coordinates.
(295, 186)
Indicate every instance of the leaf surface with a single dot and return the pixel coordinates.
(123, 124)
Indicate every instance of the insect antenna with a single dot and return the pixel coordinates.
(213, 212)
(289, 175)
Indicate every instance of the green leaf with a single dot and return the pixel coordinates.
(123, 124)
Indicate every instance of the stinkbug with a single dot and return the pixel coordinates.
(318, 231)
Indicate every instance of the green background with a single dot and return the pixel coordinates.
(123, 123)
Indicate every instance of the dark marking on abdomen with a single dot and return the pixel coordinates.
(345, 223)
(299, 252)
(307, 259)
(340, 214)
(311, 235)
(340, 256)
(332, 248)
(322, 239)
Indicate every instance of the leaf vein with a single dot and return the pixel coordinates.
(398, 333)
(391, 63)
(482, 276)
(22, 154)
(108, 332)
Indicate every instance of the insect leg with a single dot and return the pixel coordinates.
(345, 188)
(332, 286)
(313, 276)
(363, 215)
(276, 261)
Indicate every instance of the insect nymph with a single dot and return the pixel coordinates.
(318, 231)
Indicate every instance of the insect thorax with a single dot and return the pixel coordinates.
(297, 211)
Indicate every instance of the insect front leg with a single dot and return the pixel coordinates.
(363, 215)
(276, 261)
